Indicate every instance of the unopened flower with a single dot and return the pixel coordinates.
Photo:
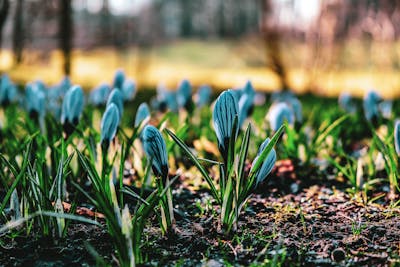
(184, 94)
(203, 95)
(98, 96)
(268, 163)
(72, 106)
(346, 102)
(109, 123)
(8, 91)
(35, 100)
(295, 104)
(117, 98)
(385, 108)
(64, 85)
(156, 150)
(128, 90)
(397, 137)
(245, 103)
(224, 114)
(278, 113)
(292, 101)
(142, 113)
(119, 78)
(370, 105)
(165, 99)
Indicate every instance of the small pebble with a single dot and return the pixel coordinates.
(338, 255)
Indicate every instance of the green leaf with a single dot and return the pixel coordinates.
(322, 134)
(196, 162)
(259, 162)
(243, 155)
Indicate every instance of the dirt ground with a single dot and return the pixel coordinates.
(286, 223)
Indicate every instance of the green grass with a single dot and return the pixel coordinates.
(42, 169)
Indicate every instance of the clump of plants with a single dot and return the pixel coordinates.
(234, 186)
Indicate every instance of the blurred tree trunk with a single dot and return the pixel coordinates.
(4, 7)
(18, 32)
(106, 33)
(271, 36)
(65, 32)
(221, 19)
(186, 18)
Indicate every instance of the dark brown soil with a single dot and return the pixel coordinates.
(317, 226)
(33, 251)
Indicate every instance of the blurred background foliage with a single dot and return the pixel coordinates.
(316, 46)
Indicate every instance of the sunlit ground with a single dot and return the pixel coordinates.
(356, 67)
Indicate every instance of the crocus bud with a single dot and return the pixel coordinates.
(278, 113)
(370, 105)
(397, 137)
(385, 108)
(109, 124)
(128, 90)
(64, 85)
(98, 96)
(268, 163)
(119, 78)
(35, 100)
(346, 103)
(117, 98)
(295, 104)
(8, 91)
(184, 94)
(156, 150)
(224, 114)
(72, 106)
(203, 95)
(142, 113)
(245, 103)
(171, 100)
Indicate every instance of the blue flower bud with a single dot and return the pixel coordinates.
(117, 98)
(171, 100)
(397, 137)
(109, 123)
(129, 90)
(184, 94)
(142, 113)
(370, 105)
(224, 114)
(295, 104)
(119, 78)
(385, 108)
(98, 96)
(268, 163)
(35, 100)
(8, 91)
(156, 150)
(278, 113)
(203, 95)
(54, 100)
(292, 101)
(346, 103)
(282, 96)
(72, 106)
(64, 85)
(245, 103)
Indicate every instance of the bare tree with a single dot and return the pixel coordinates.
(4, 7)
(65, 32)
(18, 32)
(271, 36)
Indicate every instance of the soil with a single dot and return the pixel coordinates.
(285, 222)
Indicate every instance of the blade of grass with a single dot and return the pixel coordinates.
(193, 158)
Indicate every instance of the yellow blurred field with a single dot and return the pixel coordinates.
(356, 68)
